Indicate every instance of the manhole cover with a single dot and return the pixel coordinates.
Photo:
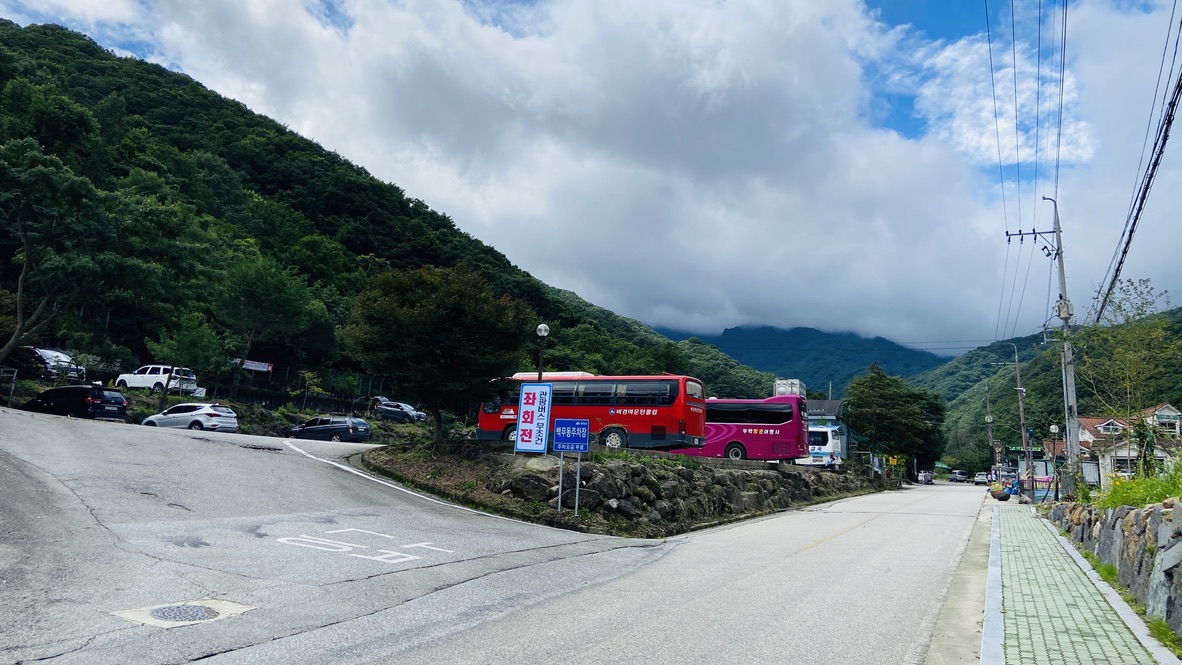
(184, 613)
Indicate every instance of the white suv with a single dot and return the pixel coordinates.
(196, 416)
(159, 377)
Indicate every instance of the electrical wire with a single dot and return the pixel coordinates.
(1005, 213)
(1141, 191)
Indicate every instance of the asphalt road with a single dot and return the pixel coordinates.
(306, 560)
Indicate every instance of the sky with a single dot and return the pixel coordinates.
(704, 164)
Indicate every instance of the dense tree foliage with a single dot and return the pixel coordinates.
(895, 417)
(52, 227)
(440, 334)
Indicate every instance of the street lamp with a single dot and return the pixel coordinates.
(542, 331)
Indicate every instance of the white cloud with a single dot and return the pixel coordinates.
(698, 164)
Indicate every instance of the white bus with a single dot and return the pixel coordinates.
(825, 439)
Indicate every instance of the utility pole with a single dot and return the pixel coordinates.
(993, 447)
(1022, 421)
(1064, 311)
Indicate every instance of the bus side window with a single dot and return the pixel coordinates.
(564, 392)
(598, 393)
(666, 393)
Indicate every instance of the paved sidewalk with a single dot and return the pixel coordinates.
(1045, 605)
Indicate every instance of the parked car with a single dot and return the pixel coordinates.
(85, 401)
(157, 377)
(958, 476)
(195, 415)
(332, 428)
(46, 364)
(981, 478)
(401, 412)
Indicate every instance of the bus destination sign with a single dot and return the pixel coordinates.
(572, 435)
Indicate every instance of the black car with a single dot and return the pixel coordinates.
(332, 428)
(46, 364)
(81, 402)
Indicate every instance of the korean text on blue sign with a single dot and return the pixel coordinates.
(533, 418)
(572, 435)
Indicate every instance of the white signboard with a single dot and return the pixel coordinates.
(533, 418)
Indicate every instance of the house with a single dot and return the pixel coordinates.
(1107, 442)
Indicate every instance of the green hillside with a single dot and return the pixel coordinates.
(159, 217)
(1122, 367)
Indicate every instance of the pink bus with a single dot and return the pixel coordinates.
(775, 428)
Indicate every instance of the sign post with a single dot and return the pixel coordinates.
(533, 418)
(571, 435)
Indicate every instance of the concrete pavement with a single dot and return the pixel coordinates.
(1023, 594)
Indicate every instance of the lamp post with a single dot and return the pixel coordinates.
(542, 331)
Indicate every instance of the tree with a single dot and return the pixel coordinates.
(51, 224)
(192, 343)
(440, 334)
(1126, 361)
(895, 417)
(262, 302)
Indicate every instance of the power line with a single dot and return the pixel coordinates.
(1134, 217)
(1137, 203)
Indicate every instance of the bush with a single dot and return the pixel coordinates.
(1139, 492)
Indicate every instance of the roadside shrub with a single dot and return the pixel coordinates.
(1140, 492)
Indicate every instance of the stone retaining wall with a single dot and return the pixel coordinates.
(1145, 546)
(649, 492)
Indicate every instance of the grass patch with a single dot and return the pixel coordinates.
(1158, 628)
(1142, 491)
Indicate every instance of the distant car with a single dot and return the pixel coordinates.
(158, 377)
(84, 401)
(46, 364)
(958, 476)
(401, 412)
(981, 478)
(332, 428)
(193, 415)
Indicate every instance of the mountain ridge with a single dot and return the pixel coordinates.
(824, 361)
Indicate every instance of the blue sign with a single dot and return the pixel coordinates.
(572, 435)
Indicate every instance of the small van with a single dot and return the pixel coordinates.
(958, 476)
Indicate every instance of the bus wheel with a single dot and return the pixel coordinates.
(510, 434)
(614, 438)
(735, 451)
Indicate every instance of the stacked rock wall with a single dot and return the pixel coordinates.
(1145, 546)
(649, 492)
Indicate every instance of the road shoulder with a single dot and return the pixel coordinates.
(957, 635)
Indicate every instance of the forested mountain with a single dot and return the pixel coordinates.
(142, 216)
(817, 358)
(963, 372)
(1130, 363)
